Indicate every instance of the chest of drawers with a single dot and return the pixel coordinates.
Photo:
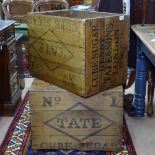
(10, 92)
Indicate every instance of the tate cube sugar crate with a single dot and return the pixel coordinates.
(84, 52)
(63, 120)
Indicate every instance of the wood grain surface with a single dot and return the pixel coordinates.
(63, 120)
(84, 52)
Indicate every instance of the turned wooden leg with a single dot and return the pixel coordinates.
(140, 80)
(150, 91)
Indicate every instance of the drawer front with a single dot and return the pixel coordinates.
(2, 37)
(2, 41)
(13, 85)
(12, 52)
(13, 67)
(11, 42)
(10, 34)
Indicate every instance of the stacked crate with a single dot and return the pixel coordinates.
(85, 53)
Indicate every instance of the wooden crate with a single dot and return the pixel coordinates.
(63, 120)
(84, 52)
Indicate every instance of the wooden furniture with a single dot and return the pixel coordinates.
(10, 93)
(1, 12)
(69, 49)
(16, 10)
(22, 28)
(113, 6)
(137, 15)
(59, 115)
(141, 12)
(47, 5)
(145, 56)
(75, 2)
(19, 51)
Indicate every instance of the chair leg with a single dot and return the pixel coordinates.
(131, 80)
(150, 91)
(127, 103)
(128, 98)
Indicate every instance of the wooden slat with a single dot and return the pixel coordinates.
(61, 143)
(59, 116)
(123, 45)
(92, 55)
(47, 98)
(147, 36)
(84, 52)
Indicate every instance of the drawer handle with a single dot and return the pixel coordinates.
(15, 67)
(11, 52)
(1, 45)
(1, 48)
(13, 84)
(10, 35)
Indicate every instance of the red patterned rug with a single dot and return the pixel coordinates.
(18, 138)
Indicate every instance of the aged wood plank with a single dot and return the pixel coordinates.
(51, 28)
(147, 35)
(71, 78)
(101, 53)
(59, 116)
(61, 143)
(57, 101)
(92, 55)
(70, 42)
(123, 45)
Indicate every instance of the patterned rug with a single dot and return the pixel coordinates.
(18, 138)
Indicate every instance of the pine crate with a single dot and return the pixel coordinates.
(81, 51)
(63, 120)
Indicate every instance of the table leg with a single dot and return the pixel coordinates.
(140, 82)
